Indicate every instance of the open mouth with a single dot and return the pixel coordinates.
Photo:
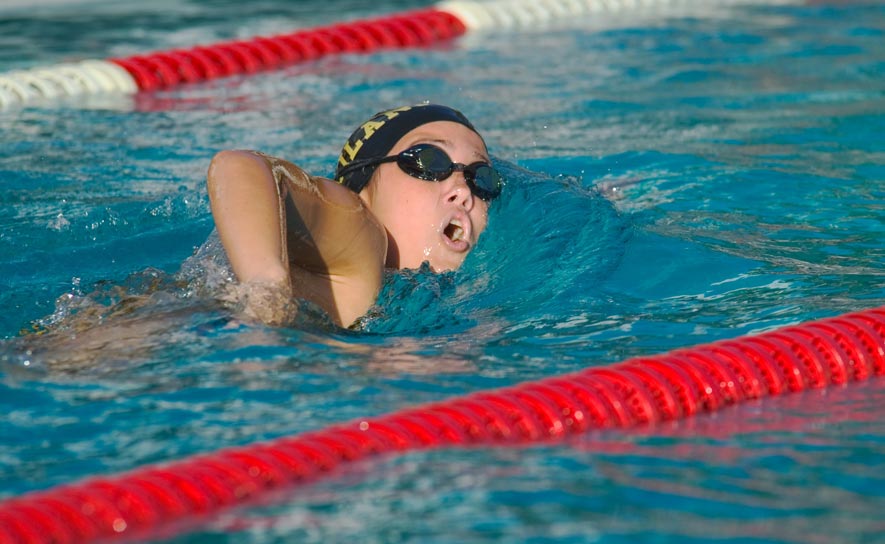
(454, 231)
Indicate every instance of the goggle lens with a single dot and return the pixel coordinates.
(430, 163)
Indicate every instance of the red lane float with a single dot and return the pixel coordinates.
(409, 29)
(673, 385)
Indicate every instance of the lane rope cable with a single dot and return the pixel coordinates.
(679, 384)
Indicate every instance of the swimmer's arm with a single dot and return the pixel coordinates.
(271, 216)
(243, 196)
(245, 205)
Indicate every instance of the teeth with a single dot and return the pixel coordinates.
(458, 232)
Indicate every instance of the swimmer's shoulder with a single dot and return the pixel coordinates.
(333, 239)
(356, 238)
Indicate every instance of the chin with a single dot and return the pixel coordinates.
(446, 266)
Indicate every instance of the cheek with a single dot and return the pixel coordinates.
(410, 213)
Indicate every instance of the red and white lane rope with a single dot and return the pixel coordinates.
(444, 21)
(679, 384)
(168, 69)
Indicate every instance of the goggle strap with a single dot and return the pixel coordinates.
(356, 165)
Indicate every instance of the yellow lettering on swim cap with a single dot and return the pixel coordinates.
(350, 150)
(373, 124)
(370, 126)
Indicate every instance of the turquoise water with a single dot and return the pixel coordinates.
(672, 181)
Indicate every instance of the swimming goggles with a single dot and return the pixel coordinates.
(430, 163)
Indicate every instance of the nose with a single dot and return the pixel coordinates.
(458, 192)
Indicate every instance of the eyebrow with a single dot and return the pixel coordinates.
(446, 143)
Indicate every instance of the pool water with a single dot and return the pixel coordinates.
(672, 180)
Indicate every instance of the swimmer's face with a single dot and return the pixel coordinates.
(437, 222)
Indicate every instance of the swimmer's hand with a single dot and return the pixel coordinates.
(264, 301)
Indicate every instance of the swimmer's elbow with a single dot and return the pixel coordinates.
(222, 160)
(233, 171)
(230, 164)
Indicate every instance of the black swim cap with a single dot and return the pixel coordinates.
(377, 136)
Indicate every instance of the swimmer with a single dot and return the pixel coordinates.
(412, 185)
